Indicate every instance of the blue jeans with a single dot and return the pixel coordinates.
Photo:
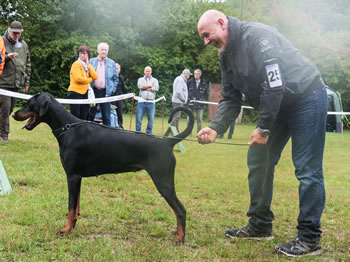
(149, 108)
(105, 107)
(305, 123)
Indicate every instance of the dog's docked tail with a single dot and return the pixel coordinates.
(176, 139)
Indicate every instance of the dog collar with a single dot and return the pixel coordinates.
(66, 127)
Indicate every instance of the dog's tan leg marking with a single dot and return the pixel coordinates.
(180, 235)
(72, 219)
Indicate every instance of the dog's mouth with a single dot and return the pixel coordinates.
(33, 121)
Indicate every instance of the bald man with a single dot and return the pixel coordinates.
(290, 96)
(148, 86)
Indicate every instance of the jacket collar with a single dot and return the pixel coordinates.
(234, 33)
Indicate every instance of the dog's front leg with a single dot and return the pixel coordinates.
(74, 184)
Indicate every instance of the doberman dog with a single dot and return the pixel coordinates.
(89, 149)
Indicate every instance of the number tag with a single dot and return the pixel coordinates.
(273, 75)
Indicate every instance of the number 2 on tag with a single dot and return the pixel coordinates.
(274, 75)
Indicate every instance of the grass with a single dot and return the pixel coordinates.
(123, 217)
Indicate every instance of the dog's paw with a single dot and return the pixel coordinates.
(179, 241)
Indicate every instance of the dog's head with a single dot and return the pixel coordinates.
(35, 109)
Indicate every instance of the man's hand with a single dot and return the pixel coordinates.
(206, 136)
(11, 55)
(25, 89)
(257, 139)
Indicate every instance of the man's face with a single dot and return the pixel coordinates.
(197, 75)
(213, 34)
(187, 76)
(102, 51)
(14, 35)
(148, 72)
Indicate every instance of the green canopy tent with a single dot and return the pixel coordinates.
(334, 122)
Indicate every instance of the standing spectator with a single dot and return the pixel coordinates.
(180, 95)
(120, 91)
(16, 73)
(197, 90)
(106, 83)
(148, 87)
(81, 75)
(291, 97)
(230, 131)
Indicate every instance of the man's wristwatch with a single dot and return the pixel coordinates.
(264, 132)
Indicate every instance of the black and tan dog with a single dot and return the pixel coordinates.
(88, 149)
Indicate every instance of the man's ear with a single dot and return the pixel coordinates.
(222, 23)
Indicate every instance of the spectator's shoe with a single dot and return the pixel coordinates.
(4, 139)
(298, 248)
(248, 232)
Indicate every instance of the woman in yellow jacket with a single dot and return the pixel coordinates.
(81, 75)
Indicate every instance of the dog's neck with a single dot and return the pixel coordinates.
(57, 116)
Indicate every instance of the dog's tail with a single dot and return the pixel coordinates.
(176, 139)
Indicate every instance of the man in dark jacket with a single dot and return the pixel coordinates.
(198, 91)
(287, 90)
(16, 74)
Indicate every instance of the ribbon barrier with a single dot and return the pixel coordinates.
(249, 107)
(72, 101)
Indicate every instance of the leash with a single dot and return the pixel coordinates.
(66, 127)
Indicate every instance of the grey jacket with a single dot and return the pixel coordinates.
(17, 71)
(180, 92)
(148, 95)
(243, 71)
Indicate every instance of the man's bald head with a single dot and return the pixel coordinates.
(213, 29)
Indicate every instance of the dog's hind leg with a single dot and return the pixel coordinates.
(74, 184)
(164, 181)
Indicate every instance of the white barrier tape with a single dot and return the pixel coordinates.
(72, 101)
(249, 107)
(117, 98)
(14, 94)
(338, 113)
(96, 100)
(140, 99)
(214, 103)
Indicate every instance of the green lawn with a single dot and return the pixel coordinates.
(124, 218)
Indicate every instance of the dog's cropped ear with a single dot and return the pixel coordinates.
(43, 102)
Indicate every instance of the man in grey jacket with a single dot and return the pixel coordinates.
(16, 74)
(148, 87)
(287, 90)
(180, 95)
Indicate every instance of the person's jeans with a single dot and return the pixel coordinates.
(78, 110)
(199, 117)
(305, 123)
(149, 108)
(105, 107)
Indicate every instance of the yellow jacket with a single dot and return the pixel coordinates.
(79, 80)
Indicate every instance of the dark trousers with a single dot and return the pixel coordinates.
(305, 123)
(7, 104)
(119, 104)
(78, 110)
